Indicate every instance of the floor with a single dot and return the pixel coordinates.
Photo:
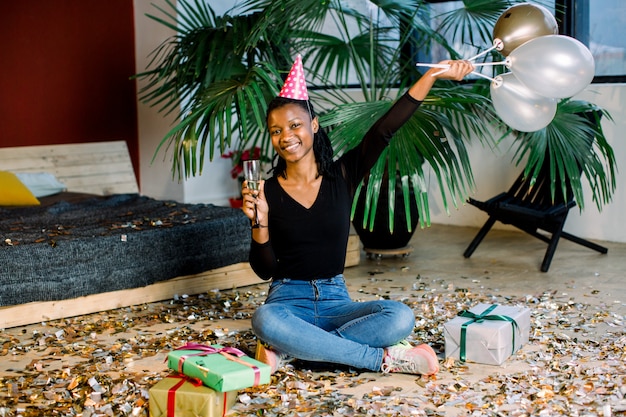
(574, 363)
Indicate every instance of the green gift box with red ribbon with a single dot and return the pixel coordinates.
(218, 367)
(178, 395)
(487, 333)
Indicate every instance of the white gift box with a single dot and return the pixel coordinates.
(489, 339)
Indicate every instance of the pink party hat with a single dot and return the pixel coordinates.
(295, 84)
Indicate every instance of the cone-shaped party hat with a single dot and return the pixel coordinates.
(295, 84)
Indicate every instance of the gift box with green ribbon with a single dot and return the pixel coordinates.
(487, 333)
(181, 396)
(221, 368)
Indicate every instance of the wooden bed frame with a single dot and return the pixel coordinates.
(105, 168)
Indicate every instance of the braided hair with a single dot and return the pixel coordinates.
(322, 147)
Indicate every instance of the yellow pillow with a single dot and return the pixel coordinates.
(13, 192)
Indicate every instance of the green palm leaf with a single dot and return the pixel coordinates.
(211, 118)
(576, 147)
(219, 90)
(421, 140)
(473, 23)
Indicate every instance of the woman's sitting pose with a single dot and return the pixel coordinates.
(301, 223)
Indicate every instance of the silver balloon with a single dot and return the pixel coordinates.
(554, 66)
(521, 23)
(520, 108)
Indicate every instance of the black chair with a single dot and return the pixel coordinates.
(530, 208)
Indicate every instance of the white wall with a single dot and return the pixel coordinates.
(494, 172)
(154, 178)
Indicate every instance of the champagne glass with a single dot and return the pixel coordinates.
(252, 174)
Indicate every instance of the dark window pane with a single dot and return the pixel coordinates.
(607, 36)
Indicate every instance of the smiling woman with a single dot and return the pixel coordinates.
(300, 224)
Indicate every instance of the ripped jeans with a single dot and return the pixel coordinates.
(318, 321)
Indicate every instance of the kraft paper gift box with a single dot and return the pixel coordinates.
(487, 333)
(218, 367)
(181, 396)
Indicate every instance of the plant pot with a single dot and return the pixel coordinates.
(380, 237)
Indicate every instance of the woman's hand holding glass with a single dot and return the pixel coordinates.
(254, 204)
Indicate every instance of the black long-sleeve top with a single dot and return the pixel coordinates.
(307, 244)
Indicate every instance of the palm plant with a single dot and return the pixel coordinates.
(219, 71)
(576, 148)
(209, 75)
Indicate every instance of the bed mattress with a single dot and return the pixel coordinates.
(73, 246)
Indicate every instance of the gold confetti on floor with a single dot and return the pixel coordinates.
(104, 364)
(574, 364)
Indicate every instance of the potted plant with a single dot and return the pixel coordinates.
(215, 79)
(219, 71)
(576, 147)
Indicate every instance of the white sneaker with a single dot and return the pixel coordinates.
(404, 358)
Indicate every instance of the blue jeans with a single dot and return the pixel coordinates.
(317, 321)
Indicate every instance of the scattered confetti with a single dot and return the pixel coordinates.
(104, 364)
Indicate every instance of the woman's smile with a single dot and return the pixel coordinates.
(290, 147)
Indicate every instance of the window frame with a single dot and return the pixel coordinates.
(571, 15)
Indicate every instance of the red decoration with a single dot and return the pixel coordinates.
(239, 156)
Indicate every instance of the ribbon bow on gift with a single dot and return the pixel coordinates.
(209, 350)
(184, 378)
(479, 318)
(171, 393)
(227, 352)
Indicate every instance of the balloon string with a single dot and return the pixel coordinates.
(473, 72)
(483, 75)
(485, 64)
(446, 66)
(482, 53)
(440, 72)
(433, 65)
